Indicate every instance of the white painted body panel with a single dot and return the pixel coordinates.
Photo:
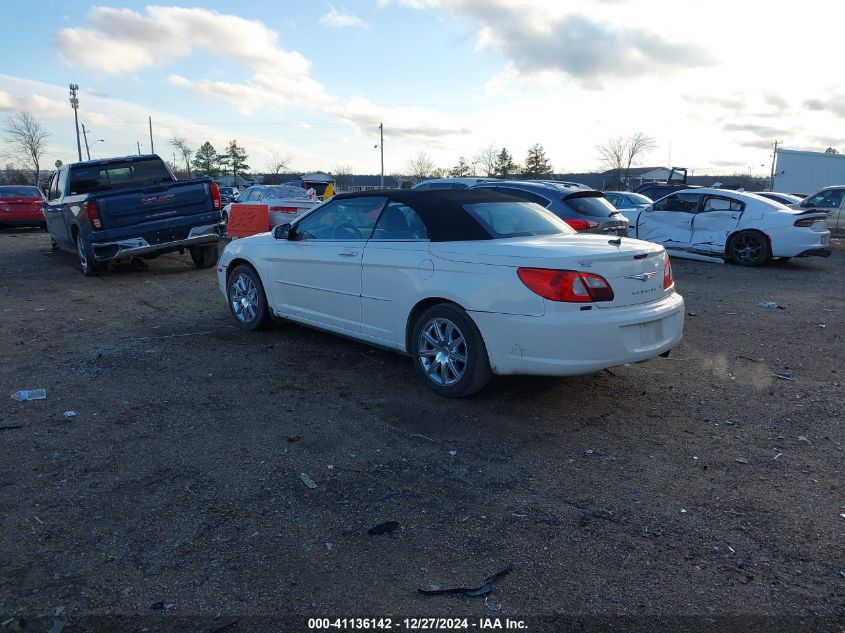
(369, 294)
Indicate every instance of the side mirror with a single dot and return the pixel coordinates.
(282, 232)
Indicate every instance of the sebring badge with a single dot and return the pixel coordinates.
(642, 276)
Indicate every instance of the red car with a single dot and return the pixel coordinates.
(20, 205)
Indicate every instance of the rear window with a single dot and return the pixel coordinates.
(516, 219)
(590, 203)
(92, 178)
(19, 192)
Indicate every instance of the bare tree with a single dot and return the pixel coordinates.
(278, 163)
(487, 158)
(28, 139)
(181, 145)
(342, 176)
(420, 167)
(613, 155)
(620, 153)
(637, 144)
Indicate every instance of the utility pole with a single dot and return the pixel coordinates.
(138, 143)
(85, 136)
(381, 144)
(774, 158)
(74, 103)
(152, 147)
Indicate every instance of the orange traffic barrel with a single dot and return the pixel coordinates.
(248, 219)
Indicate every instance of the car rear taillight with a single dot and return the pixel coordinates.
(581, 225)
(807, 222)
(570, 286)
(668, 279)
(284, 209)
(92, 212)
(215, 196)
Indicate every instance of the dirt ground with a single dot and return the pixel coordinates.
(699, 485)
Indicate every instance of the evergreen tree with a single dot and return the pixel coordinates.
(504, 164)
(235, 159)
(461, 170)
(206, 160)
(536, 163)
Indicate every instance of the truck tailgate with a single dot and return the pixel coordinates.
(131, 207)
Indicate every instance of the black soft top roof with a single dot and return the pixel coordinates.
(441, 210)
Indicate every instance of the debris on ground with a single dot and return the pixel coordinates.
(771, 305)
(783, 375)
(383, 528)
(777, 457)
(453, 453)
(483, 589)
(29, 394)
(70, 413)
(801, 438)
(307, 480)
(294, 438)
(741, 460)
(10, 427)
(753, 360)
(589, 451)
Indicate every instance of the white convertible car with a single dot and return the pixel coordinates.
(718, 224)
(468, 283)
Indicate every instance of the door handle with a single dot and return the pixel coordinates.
(348, 253)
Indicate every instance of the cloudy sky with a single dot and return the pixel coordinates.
(714, 83)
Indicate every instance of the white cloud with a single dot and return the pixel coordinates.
(280, 78)
(340, 19)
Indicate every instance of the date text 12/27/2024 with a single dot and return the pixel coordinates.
(416, 624)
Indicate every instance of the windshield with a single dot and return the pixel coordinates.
(590, 203)
(516, 219)
(638, 198)
(19, 192)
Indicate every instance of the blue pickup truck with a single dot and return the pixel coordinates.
(119, 208)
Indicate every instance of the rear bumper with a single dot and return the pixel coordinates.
(573, 342)
(136, 246)
(815, 252)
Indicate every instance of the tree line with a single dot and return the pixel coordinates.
(489, 162)
(207, 161)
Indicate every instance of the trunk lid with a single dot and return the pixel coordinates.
(22, 207)
(633, 268)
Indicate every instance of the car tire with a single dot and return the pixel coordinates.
(449, 352)
(748, 248)
(247, 301)
(225, 217)
(86, 261)
(53, 245)
(204, 256)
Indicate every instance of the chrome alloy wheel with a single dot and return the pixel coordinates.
(243, 297)
(442, 351)
(747, 248)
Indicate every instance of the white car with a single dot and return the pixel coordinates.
(718, 224)
(468, 283)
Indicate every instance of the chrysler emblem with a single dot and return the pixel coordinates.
(642, 276)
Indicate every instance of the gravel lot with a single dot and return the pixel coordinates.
(698, 485)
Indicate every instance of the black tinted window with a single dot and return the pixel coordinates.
(591, 204)
(680, 202)
(19, 192)
(92, 178)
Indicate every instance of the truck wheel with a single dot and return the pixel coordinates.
(86, 261)
(204, 256)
